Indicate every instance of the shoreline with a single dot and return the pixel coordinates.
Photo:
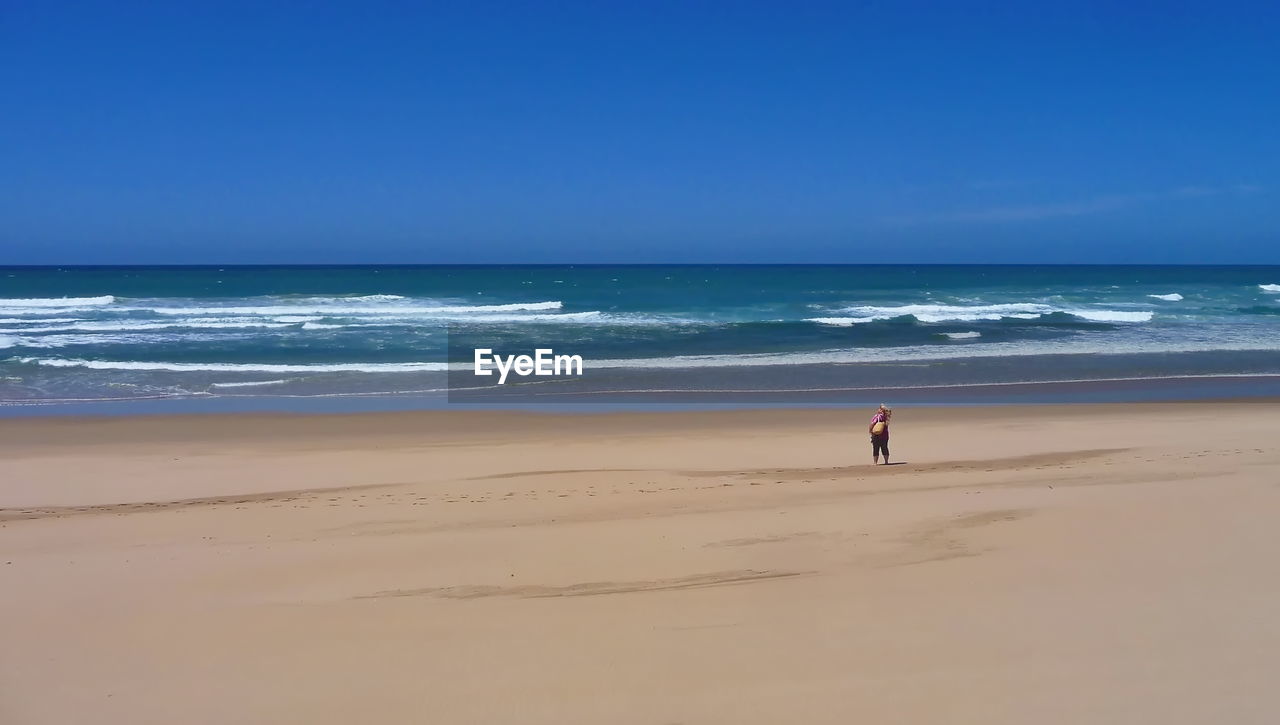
(1171, 389)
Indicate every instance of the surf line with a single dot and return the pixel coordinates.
(544, 362)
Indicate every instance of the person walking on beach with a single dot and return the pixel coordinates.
(879, 430)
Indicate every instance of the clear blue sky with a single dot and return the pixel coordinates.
(264, 132)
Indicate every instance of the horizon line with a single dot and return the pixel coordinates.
(319, 265)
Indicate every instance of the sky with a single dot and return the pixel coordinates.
(647, 132)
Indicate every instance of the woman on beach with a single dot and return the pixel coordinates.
(879, 430)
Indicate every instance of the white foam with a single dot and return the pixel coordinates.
(320, 307)
(36, 320)
(1272, 288)
(54, 341)
(979, 313)
(7, 341)
(409, 367)
(313, 322)
(954, 313)
(841, 321)
(145, 337)
(963, 335)
(567, 317)
(1172, 297)
(1111, 315)
(294, 319)
(560, 317)
(35, 312)
(836, 356)
(250, 384)
(58, 301)
(593, 317)
(123, 326)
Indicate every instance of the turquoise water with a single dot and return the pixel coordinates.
(73, 334)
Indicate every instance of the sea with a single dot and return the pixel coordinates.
(112, 340)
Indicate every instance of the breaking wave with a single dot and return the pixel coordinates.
(124, 326)
(56, 302)
(322, 307)
(841, 321)
(409, 367)
(248, 384)
(36, 320)
(977, 313)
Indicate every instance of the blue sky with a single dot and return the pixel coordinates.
(639, 132)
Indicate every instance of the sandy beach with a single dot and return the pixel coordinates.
(1054, 564)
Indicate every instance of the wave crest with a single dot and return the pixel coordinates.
(324, 308)
(56, 302)
(409, 367)
(36, 320)
(977, 313)
(841, 321)
(1112, 315)
(126, 326)
(954, 313)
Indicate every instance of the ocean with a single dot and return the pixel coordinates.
(370, 337)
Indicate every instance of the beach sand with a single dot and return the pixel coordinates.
(1062, 564)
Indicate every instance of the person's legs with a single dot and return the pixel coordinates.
(875, 451)
(884, 446)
